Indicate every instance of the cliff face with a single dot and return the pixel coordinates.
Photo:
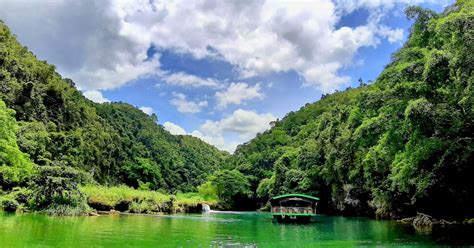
(400, 145)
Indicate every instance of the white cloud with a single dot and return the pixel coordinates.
(95, 96)
(174, 129)
(109, 78)
(185, 106)
(244, 123)
(146, 110)
(184, 79)
(103, 44)
(236, 93)
(259, 37)
(84, 39)
(392, 35)
(349, 6)
(217, 141)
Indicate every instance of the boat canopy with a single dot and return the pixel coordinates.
(294, 206)
(295, 195)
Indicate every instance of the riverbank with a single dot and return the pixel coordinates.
(426, 222)
(122, 199)
(128, 200)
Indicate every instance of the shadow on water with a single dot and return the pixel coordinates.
(453, 235)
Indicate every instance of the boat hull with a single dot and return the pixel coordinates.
(293, 218)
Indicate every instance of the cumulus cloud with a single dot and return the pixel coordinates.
(95, 96)
(107, 41)
(185, 106)
(146, 110)
(244, 123)
(236, 93)
(392, 35)
(84, 39)
(349, 6)
(184, 79)
(174, 129)
(217, 141)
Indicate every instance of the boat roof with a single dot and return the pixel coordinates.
(295, 195)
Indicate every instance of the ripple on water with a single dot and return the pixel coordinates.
(206, 230)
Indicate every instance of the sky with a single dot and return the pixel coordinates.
(217, 70)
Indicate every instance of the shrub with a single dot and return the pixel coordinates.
(136, 201)
(9, 204)
(56, 191)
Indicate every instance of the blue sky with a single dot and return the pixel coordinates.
(218, 71)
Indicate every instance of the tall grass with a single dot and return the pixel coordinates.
(193, 199)
(112, 196)
(124, 198)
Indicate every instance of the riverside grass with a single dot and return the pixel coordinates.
(142, 201)
(193, 199)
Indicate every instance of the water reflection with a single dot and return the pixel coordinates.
(214, 230)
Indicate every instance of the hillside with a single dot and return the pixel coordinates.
(400, 145)
(115, 143)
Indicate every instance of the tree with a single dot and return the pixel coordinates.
(143, 171)
(231, 186)
(208, 190)
(15, 166)
(56, 190)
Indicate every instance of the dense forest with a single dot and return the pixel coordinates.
(45, 122)
(399, 145)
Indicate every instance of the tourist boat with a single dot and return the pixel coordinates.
(294, 207)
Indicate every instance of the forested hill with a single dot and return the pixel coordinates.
(115, 142)
(400, 145)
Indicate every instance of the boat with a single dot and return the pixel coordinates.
(294, 207)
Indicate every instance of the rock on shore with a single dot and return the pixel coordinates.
(424, 220)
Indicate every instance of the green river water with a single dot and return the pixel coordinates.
(203, 230)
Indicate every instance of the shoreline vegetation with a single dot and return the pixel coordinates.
(126, 199)
(123, 199)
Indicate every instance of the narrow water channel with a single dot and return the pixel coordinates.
(204, 230)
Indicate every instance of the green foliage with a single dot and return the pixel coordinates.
(149, 154)
(265, 188)
(144, 173)
(231, 186)
(8, 203)
(192, 199)
(56, 190)
(58, 126)
(15, 166)
(421, 34)
(138, 201)
(124, 198)
(208, 190)
(400, 145)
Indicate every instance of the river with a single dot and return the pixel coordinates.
(202, 230)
